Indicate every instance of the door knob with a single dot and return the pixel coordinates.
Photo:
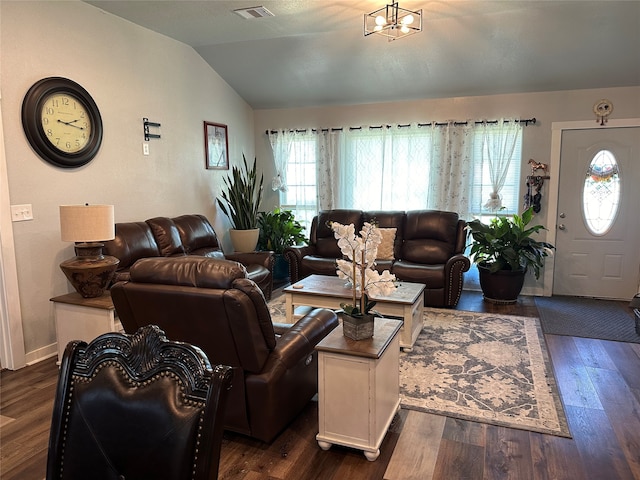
(561, 227)
(562, 215)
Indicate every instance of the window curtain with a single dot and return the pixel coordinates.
(327, 161)
(281, 143)
(499, 145)
(451, 156)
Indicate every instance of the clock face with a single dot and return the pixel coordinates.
(62, 122)
(65, 122)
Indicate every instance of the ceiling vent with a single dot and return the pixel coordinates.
(254, 12)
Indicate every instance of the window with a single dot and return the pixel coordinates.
(601, 193)
(300, 196)
(440, 167)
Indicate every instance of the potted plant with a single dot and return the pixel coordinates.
(504, 251)
(359, 270)
(240, 202)
(278, 230)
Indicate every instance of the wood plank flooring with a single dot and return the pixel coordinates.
(599, 383)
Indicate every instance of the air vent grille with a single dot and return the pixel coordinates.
(254, 12)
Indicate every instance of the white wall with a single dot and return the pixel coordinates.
(545, 107)
(131, 73)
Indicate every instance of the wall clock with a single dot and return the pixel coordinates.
(62, 122)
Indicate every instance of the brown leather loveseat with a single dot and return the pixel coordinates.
(212, 304)
(427, 247)
(183, 235)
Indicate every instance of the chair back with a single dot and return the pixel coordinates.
(137, 407)
(205, 302)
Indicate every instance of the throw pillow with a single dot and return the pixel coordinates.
(385, 249)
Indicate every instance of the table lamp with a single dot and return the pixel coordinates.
(88, 225)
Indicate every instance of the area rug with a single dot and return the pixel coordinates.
(587, 317)
(481, 367)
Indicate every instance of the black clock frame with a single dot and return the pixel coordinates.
(31, 113)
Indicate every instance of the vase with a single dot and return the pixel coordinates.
(244, 240)
(359, 327)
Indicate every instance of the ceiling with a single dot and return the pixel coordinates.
(313, 52)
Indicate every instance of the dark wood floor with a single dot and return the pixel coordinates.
(599, 383)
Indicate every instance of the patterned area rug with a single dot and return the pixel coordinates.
(587, 317)
(485, 368)
(480, 367)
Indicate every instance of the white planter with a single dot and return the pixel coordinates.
(244, 240)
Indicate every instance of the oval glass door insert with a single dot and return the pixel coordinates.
(601, 193)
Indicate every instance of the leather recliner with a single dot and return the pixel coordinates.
(212, 304)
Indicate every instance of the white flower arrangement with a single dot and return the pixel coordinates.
(360, 269)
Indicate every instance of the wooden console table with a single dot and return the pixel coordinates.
(358, 388)
(79, 318)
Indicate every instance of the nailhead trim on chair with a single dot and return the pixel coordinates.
(135, 384)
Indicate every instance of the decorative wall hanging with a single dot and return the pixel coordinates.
(535, 181)
(216, 146)
(602, 109)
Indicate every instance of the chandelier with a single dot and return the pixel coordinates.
(393, 22)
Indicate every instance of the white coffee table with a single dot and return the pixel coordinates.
(323, 291)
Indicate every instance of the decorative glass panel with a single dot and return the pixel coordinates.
(601, 193)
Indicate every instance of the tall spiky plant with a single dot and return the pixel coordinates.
(242, 199)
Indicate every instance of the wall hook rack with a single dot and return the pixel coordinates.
(147, 125)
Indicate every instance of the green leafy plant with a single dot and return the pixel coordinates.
(506, 244)
(242, 199)
(278, 230)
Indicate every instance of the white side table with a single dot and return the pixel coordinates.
(358, 388)
(79, 318)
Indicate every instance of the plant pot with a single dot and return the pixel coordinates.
(501, 287)
(280, 268)
(357, 328)
(244, 240)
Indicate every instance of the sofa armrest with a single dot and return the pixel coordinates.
(294, 255)
(453, 269)
(265, 259)
(302, 337)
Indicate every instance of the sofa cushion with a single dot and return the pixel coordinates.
(195, 232)
(325, 241)
(167, 236)
(133, 241)
(429, 236)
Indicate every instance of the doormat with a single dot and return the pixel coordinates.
(587, 317)
(485, 368)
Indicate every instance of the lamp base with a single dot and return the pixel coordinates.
(91, 271)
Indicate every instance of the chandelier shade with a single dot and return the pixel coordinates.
(393, 22)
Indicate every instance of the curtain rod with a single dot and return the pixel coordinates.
(437, 124)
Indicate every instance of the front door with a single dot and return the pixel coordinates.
(598, 236)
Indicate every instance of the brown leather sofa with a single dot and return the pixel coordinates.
(428, 248)
(183, 235)
(212, 304)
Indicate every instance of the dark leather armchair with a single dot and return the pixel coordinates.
(137, 406)
(211, 303)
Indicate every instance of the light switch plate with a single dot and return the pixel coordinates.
(20, 213)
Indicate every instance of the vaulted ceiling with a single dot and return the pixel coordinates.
(313, 52)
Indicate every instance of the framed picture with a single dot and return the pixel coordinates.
(216, 146)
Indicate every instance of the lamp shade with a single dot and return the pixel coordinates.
(86, 223)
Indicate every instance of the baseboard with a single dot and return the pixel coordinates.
(41, 354)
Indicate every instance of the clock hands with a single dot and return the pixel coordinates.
(71, 123)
